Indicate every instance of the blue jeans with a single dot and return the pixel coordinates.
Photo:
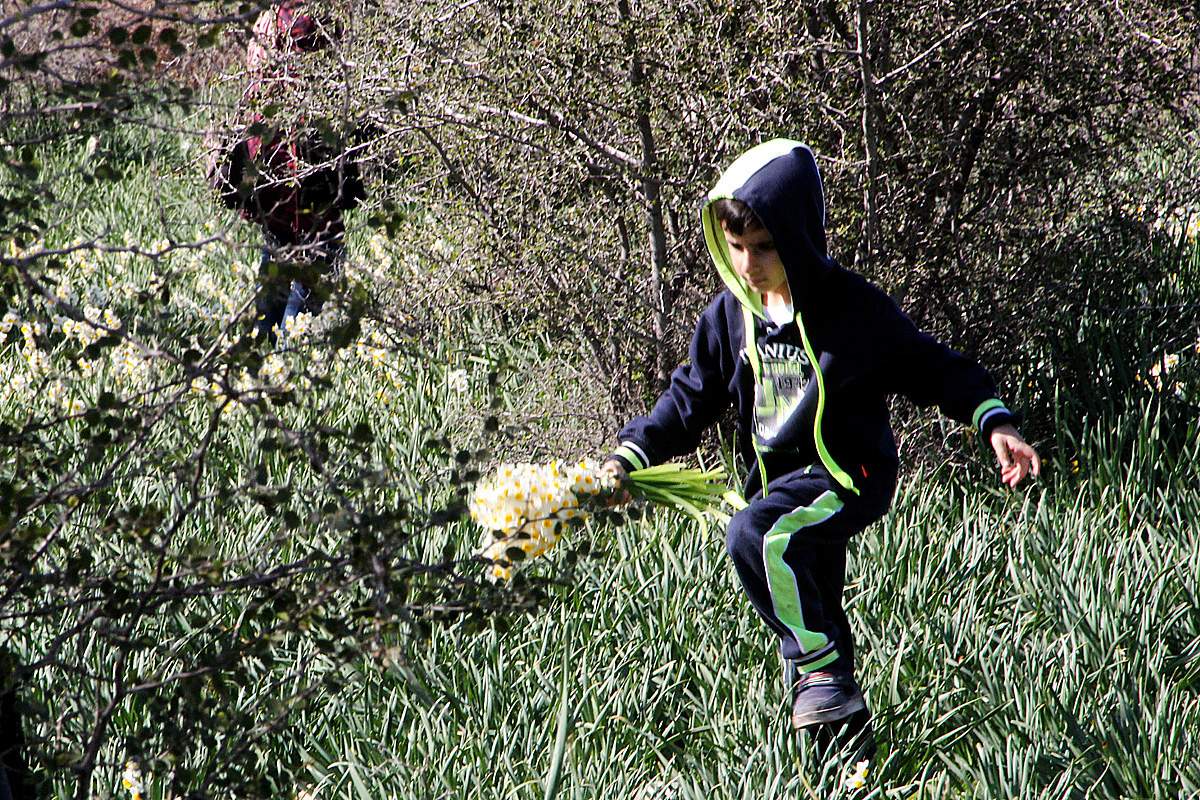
(276, 303)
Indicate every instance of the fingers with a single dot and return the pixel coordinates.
(1017, 458)
(1011, 475)
(1000, 445)
(1028, 459)
(614, 468)
(1017, 461)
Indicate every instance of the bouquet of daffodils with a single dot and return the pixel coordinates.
(523, 507)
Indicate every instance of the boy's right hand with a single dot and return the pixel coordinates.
(613, 467)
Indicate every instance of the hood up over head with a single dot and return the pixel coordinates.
(780, 181)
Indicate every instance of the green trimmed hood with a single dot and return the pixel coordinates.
(780, 181)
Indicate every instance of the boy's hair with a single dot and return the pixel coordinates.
(737, 216)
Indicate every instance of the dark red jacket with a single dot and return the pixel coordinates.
(289, 195)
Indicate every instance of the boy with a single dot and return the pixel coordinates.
(807, 353)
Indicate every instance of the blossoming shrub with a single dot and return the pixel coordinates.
(185, 511)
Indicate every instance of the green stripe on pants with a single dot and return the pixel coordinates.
(785, 595)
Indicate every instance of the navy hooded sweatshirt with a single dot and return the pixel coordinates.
(810, 393)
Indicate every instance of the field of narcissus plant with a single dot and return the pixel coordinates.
(1039, 643)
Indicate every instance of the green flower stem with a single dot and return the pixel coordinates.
(697, 493)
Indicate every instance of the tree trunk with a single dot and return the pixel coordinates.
(870, 122)
(15, 781)
(660, 294)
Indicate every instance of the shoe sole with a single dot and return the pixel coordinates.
(824, 716)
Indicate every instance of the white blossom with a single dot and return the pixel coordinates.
(525, 506)
(131, 780)
(456, 381)
(7, 323)
(858, 778)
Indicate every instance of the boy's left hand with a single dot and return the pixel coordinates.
(1017, 458)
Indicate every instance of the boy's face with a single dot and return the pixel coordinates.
(756, 260)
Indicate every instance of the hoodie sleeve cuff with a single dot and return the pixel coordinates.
(631, 456)
(990, 415)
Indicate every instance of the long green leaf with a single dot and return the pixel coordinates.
(554, 776)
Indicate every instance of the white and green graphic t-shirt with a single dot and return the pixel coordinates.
(785, 375)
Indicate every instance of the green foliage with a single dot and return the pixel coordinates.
(187, 512)
(248, 567)
(966, 150)
(1037, 644)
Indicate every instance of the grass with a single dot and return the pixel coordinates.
(1043, 643)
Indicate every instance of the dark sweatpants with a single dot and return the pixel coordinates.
(789, 549)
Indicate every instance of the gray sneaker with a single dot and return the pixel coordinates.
(822, 697)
